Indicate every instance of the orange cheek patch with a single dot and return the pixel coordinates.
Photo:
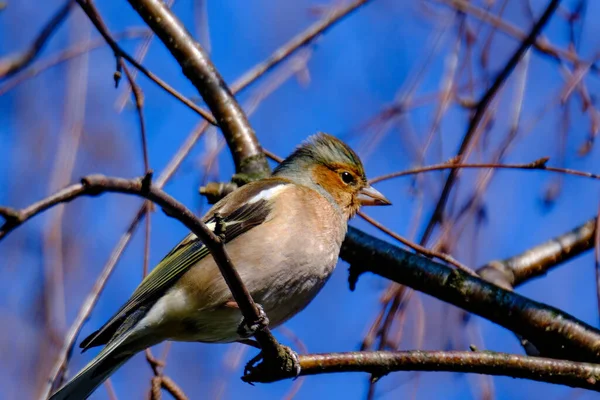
(331, 181)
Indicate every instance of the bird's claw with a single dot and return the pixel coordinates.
(246, 330)
(285, 365)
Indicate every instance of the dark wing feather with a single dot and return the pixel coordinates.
(185, 255)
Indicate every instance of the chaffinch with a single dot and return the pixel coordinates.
(283, 234)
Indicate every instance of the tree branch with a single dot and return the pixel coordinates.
(536, 261)
(555, 333)
(14, 63)
(90, 9)
(248, 157)
(94, 185)
(480, 110)
(380, 363)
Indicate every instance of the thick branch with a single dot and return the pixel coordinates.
(379, 363)
(197, 67)
(555, 333)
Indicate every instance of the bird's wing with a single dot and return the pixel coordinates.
(253, 209)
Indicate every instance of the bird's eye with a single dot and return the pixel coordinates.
(347, 177)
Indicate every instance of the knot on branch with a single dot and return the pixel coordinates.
(538, 164)
(118, 70)
(11, 216)
(92, 184)
(499, 274)
(146, 181)
(264, 369)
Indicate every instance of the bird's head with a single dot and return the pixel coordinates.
(329, 163)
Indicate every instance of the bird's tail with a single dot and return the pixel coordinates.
(96, 372)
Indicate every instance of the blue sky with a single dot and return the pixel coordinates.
(354, 71)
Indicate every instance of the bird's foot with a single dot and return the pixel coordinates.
(285, 364)
(246, 330)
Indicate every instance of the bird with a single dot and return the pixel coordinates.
(283, 234)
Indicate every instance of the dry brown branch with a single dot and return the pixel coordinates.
(539, 165)
(248, 157)
(380, 363)
(140, 54)
(297, 42)
(419, 249)
(541, 44)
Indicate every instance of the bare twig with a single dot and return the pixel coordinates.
(379, 363)
(419, 249)
(542, 45)
(90, 9)
(14, 63)
(539, 165)
(247, 153)
(67, 54)
(482, 106)
(138, 96)
(297, 42)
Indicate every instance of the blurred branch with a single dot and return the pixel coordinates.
(540, 44)
(536, 261)
(14, 63)
(67, 54)
(248, 157)
(60, 365)
(298, 41)
(138, 97)
(140, 54)
(380, 363)
(481, 108)
(90, 9)
(554, 332)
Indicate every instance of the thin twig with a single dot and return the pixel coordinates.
(537, 165)
(90, 9)
(14, 63)
(480, 110)
(67, 54)
(297, 42)
(138, 96)
(419, 249)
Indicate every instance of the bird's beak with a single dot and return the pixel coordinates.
(369, 196)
